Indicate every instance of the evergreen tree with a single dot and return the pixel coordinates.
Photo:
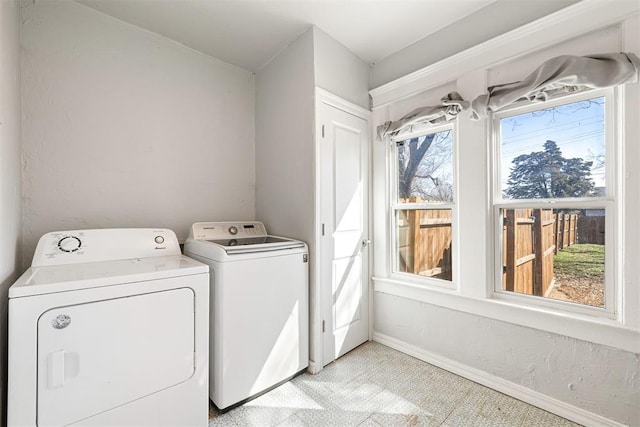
(547, 174)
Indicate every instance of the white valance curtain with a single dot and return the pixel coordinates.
(564, 73)
(561, 74)
(450, 106)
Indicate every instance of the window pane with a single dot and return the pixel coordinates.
(425, 169)
(555, 152)
(423, 244)
(555, 253)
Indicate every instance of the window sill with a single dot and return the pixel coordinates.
(597, 330)
(425, 282)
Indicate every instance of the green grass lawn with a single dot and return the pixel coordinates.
(581, 260)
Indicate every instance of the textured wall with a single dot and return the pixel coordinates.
(125, 128)
(10, 180)
(597, 378)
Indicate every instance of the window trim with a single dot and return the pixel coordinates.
(394, 207)
(610, 202)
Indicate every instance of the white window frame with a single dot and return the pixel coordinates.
(395, 207)
(610, 202)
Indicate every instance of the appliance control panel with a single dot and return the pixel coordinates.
(80, 246)
(227, 230)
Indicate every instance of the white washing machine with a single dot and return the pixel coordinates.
(259, 308)
(109, 328)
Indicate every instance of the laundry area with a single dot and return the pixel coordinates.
(319, 213)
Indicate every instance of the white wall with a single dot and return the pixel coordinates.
(10, 167)
(125, 128)
(284, 126)
(340, 71)
(490, 21)
(284, 141)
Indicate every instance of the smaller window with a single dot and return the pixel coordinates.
(554, 201)
(424, 191)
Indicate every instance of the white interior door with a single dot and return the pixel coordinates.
(344, 240)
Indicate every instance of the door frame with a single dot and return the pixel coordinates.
(316, 308)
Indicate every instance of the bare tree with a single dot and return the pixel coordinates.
(421, 164)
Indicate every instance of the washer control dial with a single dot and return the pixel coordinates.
(159, 240)
(233, 230)
(69, 244)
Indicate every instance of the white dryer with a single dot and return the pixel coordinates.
(259, 308)
(109, 328)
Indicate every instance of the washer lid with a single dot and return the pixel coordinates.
(61, 278)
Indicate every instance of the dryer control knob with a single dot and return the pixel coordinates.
(69, 244)
(233, 230)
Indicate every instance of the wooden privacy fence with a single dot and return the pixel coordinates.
(565, 232)
(528, 250)
(424, 242)
(531, 238)
(591, 229)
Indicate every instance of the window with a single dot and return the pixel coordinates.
(423, 205)
(555, 200)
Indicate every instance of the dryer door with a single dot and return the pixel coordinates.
(97, 356)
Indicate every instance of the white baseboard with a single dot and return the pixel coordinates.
(517, 391)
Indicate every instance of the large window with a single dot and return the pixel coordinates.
(555, 200)
(423, 204)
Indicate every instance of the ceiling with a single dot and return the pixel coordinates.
(249, 33)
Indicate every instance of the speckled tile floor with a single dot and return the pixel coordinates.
(375, 385)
